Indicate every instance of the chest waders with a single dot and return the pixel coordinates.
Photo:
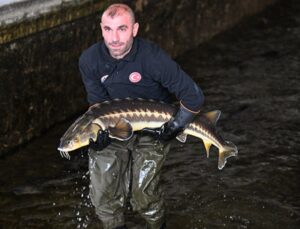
(124, 168)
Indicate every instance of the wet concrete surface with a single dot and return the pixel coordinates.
(251, 73)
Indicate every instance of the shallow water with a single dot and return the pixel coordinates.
(251, 74)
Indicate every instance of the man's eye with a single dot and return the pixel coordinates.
(123, 29)
(106, 29)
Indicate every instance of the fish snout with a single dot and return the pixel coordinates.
(64, 145)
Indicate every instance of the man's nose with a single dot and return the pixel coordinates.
(115, 36)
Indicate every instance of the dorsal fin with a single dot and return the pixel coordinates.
(213, 116)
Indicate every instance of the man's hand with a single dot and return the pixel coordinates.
(102, 141)
(169, 130)
(172, 128)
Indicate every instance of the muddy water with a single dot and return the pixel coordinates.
(251, 73)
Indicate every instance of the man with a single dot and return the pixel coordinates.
(125, 66)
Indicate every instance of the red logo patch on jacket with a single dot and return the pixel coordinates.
(135, 77)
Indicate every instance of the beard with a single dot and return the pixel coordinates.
(119, 49)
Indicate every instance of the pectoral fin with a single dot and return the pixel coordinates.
(93, 129)
(122, 130)
(181, 137)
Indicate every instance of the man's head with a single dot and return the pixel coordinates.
(118, 29)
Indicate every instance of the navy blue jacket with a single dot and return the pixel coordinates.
(145, 72)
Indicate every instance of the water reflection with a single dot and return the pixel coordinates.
(250, 73)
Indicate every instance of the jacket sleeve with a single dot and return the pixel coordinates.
(95, 91)
(172, 77)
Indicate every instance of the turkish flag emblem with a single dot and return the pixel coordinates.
(135, 77)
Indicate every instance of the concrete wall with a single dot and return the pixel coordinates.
(40, 42)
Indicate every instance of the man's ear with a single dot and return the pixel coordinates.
(135, 29)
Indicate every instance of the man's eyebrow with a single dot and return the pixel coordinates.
(106, 27)
(123, 27)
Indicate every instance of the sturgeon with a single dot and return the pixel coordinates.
(123, 117)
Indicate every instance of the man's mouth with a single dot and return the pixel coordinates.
(118, 45)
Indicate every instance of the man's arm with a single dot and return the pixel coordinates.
(177, 82)
(95, 91)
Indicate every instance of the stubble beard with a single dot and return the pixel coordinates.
(119, 53)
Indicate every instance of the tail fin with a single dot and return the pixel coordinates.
(229, 150)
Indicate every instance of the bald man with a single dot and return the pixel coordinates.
(125, 66)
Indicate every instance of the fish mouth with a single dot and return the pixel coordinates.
(61, 149)
(64, 153)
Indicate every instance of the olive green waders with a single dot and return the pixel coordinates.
(135, 165)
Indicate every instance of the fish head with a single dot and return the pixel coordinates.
(78, 136)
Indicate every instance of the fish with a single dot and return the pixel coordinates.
(123, 117)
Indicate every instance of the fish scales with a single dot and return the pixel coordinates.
(206, 129)
(135, 111)
(123, 117)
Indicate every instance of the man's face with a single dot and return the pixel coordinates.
(118, 33)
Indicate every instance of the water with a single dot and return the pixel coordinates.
(251, 73)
